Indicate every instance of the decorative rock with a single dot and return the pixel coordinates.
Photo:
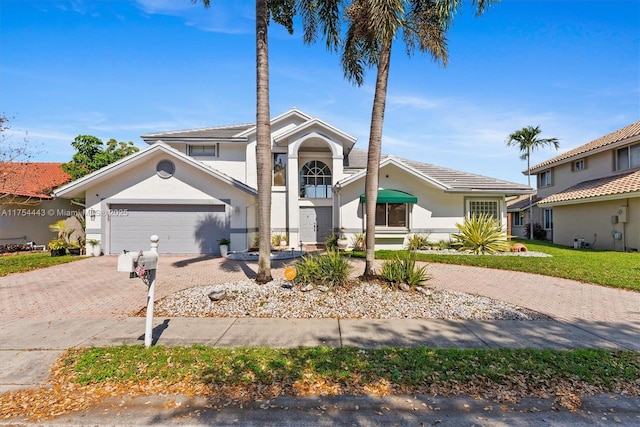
(404, 287)
(287, 285)
(307, 288)
(424, 291)
(322, 288)
(217, 295)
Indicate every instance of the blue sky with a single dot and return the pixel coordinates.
(119, 69)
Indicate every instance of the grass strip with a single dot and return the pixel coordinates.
(407, 369)
(32, 261)
(606, 268)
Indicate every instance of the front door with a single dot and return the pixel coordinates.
(315, 224)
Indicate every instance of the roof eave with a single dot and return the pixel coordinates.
(590, 199)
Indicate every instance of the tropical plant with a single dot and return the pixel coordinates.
(372, 28)
(331, 240)
(224, 241)
(481, 234)
(62, 230)
(526, 139)
(91, 154)
(359, 241)
(330, 269)
(418, 241)
(57, 244)
(402, 269)
(276, 238)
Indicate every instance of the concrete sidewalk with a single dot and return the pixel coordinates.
(28, 347)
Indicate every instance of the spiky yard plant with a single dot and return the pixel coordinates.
(481, 234)
(330, 269)
(402, 269)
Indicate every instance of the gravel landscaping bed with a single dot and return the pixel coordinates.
(357, 300)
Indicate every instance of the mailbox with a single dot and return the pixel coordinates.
(126, 262)
(148, 260)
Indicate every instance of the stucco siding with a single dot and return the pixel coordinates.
(592, 222)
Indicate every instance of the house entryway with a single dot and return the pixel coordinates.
(315, 223)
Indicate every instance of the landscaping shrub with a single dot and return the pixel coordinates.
(330, 269)
(418, 241)
(402, 269)
(538, 232)
(331, 241)
(481, 234)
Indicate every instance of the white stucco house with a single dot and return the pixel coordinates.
(194, 187)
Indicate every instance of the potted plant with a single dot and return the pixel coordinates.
(95, 247)
(342, 241)
(224, 246)
(74, 248)
(58, 247)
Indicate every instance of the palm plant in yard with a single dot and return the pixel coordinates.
(481, 234)
(373, 26)
(526, 139)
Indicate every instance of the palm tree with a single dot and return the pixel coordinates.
(373, 27)
(282, 12)
(526, 139)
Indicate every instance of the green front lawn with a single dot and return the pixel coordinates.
(607, 268)
(31, 261)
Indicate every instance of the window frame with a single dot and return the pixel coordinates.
(547, 219)
(327, 188)
(629, 157)
(469, 211)
(273, 169)
(578, 165)
(517, 219)
(387, 211)
(215, 148)
(547, 182)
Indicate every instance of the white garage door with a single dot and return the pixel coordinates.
(183, 229)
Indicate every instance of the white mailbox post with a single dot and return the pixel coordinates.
(144, 265)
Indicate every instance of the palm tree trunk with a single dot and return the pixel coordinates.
(530, 197)
(263, 143)
(373, 156)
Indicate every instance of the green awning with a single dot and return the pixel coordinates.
(392, 196)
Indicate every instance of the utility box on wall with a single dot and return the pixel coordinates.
(622, 214)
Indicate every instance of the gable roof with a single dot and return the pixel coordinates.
(74, 189)
(36, 180)
(604, 142)
(449, 180)
(610, 187)
(521, 203)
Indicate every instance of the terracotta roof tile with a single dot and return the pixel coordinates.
(521, 202)
(612, 185)
(621, 134)
(31, 179)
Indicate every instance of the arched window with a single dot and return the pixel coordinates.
(315, 181)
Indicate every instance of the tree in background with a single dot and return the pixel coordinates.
(526, 139)
(91, 154)
(12, 177)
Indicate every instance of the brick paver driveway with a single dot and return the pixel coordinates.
(92, 288)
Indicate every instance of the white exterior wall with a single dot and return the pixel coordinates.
(435, 214)
(142, 185)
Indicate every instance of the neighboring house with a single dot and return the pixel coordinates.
(27, 207)
(590, 196)
(194, 187)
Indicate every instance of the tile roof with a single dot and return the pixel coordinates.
(621, 184)
(621, 134)
(454, 179)
(217, 132)
(31, 179)
(521, 202)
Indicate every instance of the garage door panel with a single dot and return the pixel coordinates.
(183, 229)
